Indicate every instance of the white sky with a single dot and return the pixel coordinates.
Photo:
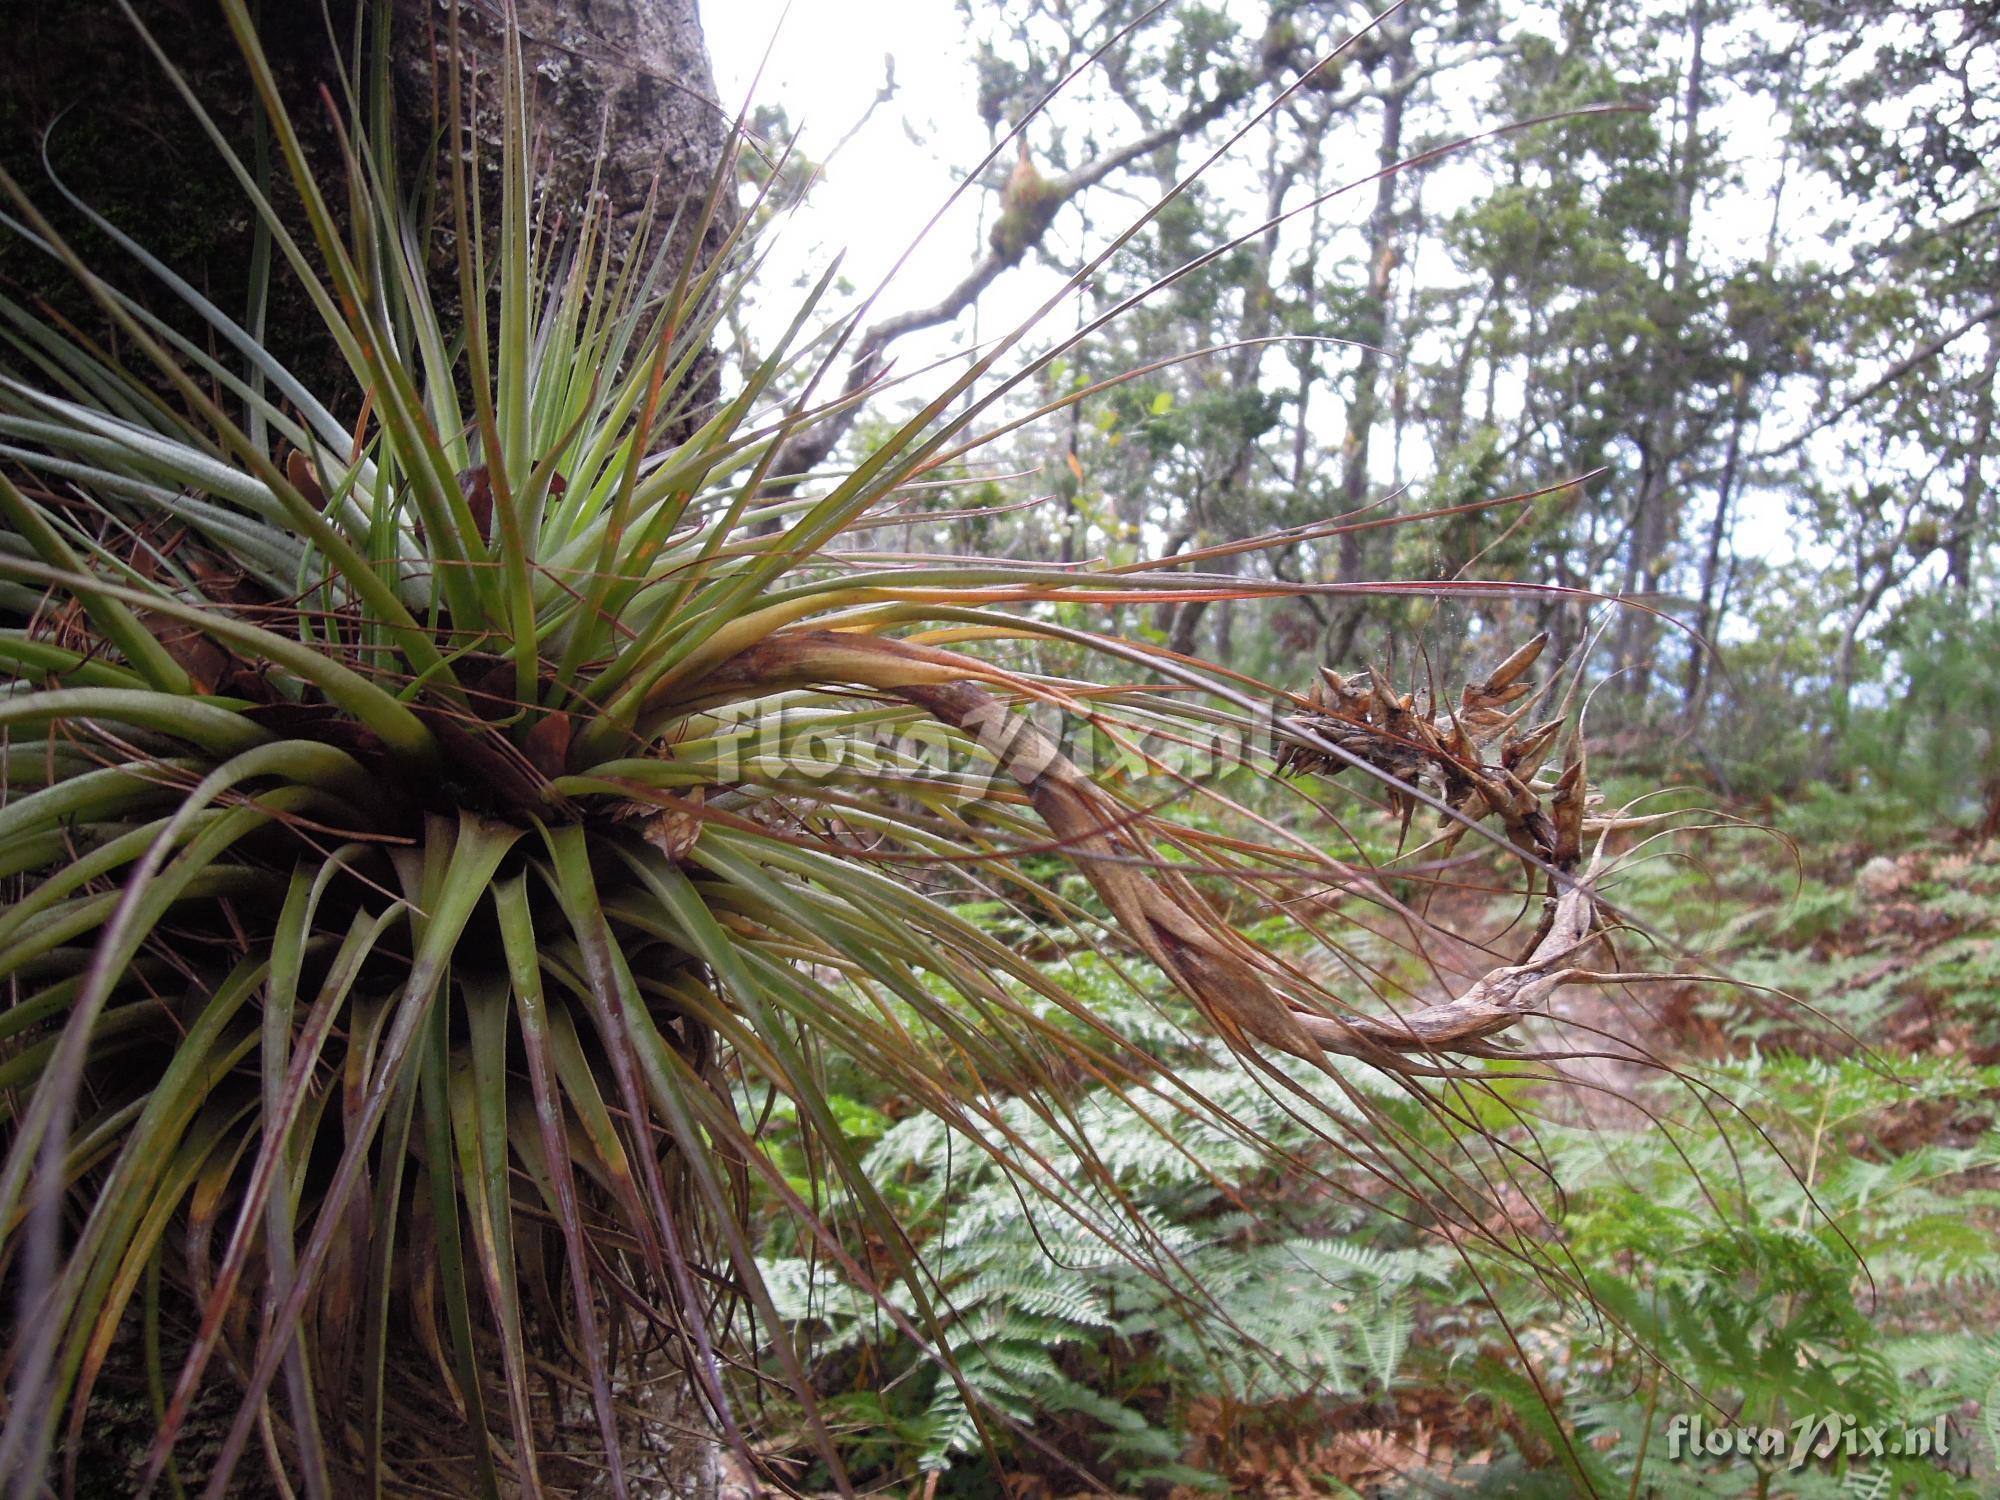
(826, 67)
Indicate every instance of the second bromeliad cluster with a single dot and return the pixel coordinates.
(1475, 759)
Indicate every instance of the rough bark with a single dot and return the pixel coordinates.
(625, 109)
(624, 99)
(84, 102)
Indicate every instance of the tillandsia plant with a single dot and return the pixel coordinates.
(426, 802)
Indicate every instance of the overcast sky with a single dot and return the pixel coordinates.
(884, 181)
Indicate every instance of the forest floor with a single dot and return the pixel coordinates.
(1814, 1077)
(1893, 957)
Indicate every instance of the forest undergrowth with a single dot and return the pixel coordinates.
(1795, 1218)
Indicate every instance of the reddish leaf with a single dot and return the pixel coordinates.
(547, 745)
(207, 663)
(477, 486)
(298, 469)
(485, 755)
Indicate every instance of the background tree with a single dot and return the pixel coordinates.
(1748, 296)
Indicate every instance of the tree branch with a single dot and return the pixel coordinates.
(809, 450)
(1903, 367)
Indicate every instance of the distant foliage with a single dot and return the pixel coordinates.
(1934, 737)
(1788, 1235)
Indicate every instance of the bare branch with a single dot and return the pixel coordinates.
(1896, 372)
(1009, 246)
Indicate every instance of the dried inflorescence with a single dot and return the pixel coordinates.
(1476, 760)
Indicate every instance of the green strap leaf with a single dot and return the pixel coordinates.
(524, 967)
(107, 612)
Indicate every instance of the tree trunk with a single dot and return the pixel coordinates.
(625, 97)
(1364, 410)
(1960, 543)
(1259, 312)
(1655, 517)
